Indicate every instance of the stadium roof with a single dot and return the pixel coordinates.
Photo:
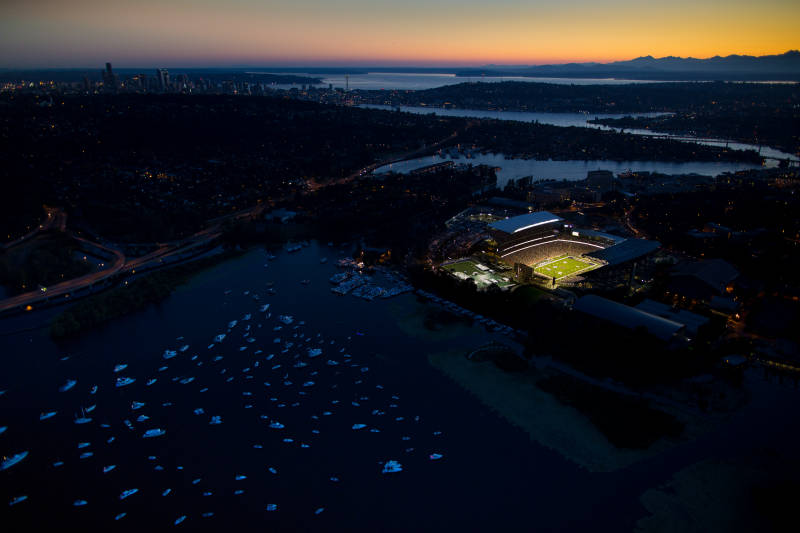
(626, 251)
(716, 273)
(603, 235)
(627, 316)
(523, 222)
(692, 321)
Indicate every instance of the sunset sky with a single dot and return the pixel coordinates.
(172, 33)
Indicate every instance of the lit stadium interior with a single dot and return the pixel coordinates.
(541, 240)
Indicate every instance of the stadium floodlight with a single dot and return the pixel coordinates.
(525, 242)
(549, 242)
(537, 224)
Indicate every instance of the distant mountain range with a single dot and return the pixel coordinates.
(783, 67)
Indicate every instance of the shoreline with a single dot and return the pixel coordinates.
(561, 427)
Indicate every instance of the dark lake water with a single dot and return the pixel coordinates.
(428, 80)
(571, 170)
(491, 475)
(581, 120)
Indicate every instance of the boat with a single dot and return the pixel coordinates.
(150, 433)
(68, 385)
(391, 466)
(128, 492)
(8, 462)
(121, 382)
(83, 419)
(340, 277)
(17, 499)
(49, 414)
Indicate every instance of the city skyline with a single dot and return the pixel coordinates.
(208, 33)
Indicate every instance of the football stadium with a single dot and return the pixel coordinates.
(544, 246)
(557, 251)
(542, 241)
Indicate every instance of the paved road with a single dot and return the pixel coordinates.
(56, 218)
(165, 250)
(369, 168)
(122, 264)
(69, 286)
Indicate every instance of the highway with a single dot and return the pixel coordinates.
(70, 286)
(56, 218)
(164, 252)
(313, 186)
(121, 264)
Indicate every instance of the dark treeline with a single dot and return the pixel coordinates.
(760, 235)
(98, 309)
(625, 421)
(628, 98)
(144, 168)
(773, 127)
(396, 213)
(96, 75)
(47, 259)
(542, 141)
(756, 113)
(152, 167)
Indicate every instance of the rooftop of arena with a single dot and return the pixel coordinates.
(523, 222)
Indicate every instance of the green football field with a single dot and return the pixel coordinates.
(561, 268)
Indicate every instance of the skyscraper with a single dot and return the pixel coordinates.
(109, 79)
(163, 79)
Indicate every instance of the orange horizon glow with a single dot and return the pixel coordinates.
(85, 33)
